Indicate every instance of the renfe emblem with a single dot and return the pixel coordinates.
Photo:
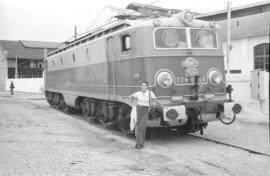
(191, 65)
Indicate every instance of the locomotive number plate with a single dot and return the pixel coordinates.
(191, 72)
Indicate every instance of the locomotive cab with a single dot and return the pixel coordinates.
(184, 66)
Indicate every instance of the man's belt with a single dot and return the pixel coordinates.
(142, 106)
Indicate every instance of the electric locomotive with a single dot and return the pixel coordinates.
(179, 56)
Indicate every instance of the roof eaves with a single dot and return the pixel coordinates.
(233, 9)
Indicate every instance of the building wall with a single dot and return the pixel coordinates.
(222, 15)
(3, 70)
(26, 84)
(242, 56)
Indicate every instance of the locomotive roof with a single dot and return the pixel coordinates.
(121, 24)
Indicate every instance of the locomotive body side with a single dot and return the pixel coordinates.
(99, 75)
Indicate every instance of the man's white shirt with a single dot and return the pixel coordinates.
(143, 97)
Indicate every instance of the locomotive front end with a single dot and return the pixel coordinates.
(189, 74)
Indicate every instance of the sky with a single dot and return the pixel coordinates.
(54, 20)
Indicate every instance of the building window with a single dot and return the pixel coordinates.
(26, 68)
(261, 57)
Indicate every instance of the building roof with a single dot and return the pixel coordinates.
(247, 26)
(26, 49)
(39, 44)
(243, 10)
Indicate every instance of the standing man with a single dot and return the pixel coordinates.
(144, 98)
(11, 87)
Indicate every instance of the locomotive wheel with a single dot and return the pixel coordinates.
(56, 100)
(62, 105)
(49, 97)
(85, 107)
(53, 100)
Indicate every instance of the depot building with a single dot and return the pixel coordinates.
(22, 62)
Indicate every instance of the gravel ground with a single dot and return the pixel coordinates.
(38, 140)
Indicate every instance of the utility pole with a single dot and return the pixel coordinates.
(228, 35)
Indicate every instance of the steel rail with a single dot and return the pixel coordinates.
(231, 145)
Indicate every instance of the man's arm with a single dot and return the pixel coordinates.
(133, 98)
(153, 98)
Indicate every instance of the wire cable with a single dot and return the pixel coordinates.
(89, 31)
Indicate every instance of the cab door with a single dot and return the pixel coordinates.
(45, 74)
(110, 64)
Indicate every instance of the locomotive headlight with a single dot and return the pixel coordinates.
(156, 22)
(164, 79)
(215, 77)
(187, 17)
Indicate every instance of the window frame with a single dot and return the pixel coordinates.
(188, 38)
(121, 43)
(259, 56)
(209, 29)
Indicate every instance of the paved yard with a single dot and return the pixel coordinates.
(38, 140)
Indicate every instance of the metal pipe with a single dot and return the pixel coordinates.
(228, 36)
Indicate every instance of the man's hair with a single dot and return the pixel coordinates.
(145, 83)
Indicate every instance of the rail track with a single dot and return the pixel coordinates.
(77, 114)
(230, 145)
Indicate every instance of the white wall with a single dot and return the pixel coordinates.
(26, 84)
(242, 95)
(242, 55)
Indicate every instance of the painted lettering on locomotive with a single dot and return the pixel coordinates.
(180, 57)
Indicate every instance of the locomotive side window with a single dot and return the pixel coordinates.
(73, 57)
(87, 54)
(61, 59)
(125, 43)
(203, 38)
(170, 38)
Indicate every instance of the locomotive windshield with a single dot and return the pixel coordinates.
(176, 38)
(170, 38)
(203, 38)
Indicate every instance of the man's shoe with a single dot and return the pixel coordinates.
(137, 146)
(130, 132)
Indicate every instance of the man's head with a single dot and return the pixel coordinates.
(144, 86)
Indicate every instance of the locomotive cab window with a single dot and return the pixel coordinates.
(203, 38)
(125, 43)
(166, 38)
